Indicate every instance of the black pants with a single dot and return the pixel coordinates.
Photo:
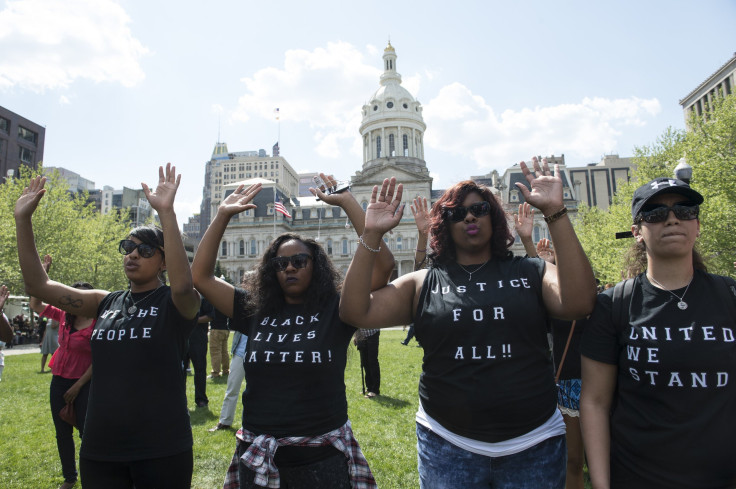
(65, 431)
(328, 473)
(172, 472)
(368, 348)
(198, 355)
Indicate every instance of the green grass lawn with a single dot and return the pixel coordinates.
(384, 426)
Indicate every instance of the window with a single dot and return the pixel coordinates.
(378, 146)
(344, 246)
(223, 249)
(242, 248)
(4, 125)
(329, 246)
(253, 246)
(405, 142)
(25, 155)
(391, 145)
(306, 213)
(364, 205)
(536, 234)
(398, 243)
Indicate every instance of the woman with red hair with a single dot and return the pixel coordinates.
(488, 402)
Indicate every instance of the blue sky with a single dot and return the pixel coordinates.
(123, 87)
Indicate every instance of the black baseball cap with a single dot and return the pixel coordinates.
(659, 186)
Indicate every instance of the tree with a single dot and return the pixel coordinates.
(82, 242)
(710, 148)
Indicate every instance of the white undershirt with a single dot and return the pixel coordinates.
(554, 426)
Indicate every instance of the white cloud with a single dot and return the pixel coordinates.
(462, 123)
(64, 100)
(317, 88)
(47, 44)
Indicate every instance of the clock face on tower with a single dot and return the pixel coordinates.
(390, 105)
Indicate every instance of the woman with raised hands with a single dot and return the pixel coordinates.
(137, 431)
(295, 432)
(488, 402)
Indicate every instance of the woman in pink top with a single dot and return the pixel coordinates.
(71, 366)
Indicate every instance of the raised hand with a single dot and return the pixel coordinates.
(546, 193)
(385, 209)
(239, 200)
(46, 263)
(28, 201)
(162, 199)
(545, 251)
(420, 210)
(524, 221)
(330, 182)
(4, 294)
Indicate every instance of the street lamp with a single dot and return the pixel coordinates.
(683, 171)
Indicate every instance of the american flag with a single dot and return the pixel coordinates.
(279, 207)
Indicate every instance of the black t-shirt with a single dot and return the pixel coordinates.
(672, 420)
(560, 334)
(294, 369)
(220, 321)
(487, 372)
(137, 402)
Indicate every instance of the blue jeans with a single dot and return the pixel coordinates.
(443, 465)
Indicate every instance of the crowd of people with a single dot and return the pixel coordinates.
(528, 371)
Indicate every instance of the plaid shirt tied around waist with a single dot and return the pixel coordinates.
(259, 457)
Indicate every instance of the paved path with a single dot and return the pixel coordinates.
(21, 349)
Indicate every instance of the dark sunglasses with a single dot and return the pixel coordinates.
(128, 246)
(685, 211)
(280, 263)
(479, 209)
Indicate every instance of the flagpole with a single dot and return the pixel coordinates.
(274, 210)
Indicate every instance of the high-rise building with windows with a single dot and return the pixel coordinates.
(21, 142)
(719, 84)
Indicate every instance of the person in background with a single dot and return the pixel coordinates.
(71, 367)
(488, 412)
(198, 353)
(219, 334)
(6, 331)
(367, 340)
(659, 354)
(234, 383)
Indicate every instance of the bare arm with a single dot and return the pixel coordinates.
(392, 304)
(524, 224)
(73, 391)
(568, 289)
(384, 264)
(37, 284)
(220, 293)
(599, 383)
(185, 298)
(420, 211)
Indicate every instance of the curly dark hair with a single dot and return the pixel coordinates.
(636, 259)
(267, 298)
(443, 248)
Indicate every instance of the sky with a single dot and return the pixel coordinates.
(125, 86)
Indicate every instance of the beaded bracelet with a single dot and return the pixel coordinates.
(360, 240)
(555, 216)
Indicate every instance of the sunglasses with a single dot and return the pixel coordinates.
(457, 214)
(128, 246)
(684, 211)
(280, 263)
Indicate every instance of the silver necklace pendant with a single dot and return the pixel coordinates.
(682, 305)
(132, 309)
